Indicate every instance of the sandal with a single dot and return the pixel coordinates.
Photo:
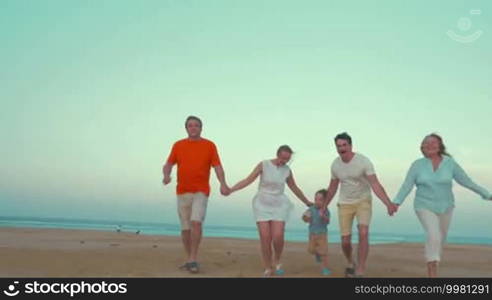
(350, 271)
(193, 267)
(279, 271)
(325, 272)
(185, 266)
(267, 273)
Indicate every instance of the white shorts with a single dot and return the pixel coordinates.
(191, 207)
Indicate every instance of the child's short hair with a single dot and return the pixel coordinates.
(323, 192)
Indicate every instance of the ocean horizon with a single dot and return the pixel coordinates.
(241, 232)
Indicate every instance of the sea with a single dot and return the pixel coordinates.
(241, 232)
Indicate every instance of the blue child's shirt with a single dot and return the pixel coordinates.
(317, 224)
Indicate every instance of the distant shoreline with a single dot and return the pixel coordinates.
(154, 235)
(235, 232)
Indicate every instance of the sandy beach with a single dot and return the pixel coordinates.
(29, 252)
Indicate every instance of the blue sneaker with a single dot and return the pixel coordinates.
(326, 272)
(279, 271)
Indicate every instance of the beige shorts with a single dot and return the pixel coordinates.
(346, 213)
(191, 207)
(318, 244)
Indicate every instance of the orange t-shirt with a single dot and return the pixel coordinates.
(194, 159)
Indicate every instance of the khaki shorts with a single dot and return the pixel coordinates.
(346, 213)
(318, 244)
(191, 207)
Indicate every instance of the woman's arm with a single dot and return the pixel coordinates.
(407, 185)
(296, 190)
(462, 178)
(248, 180)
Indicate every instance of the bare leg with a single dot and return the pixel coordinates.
(186, 238)
(324, 260)
(278, 228)
(363, 250)
(196, 238)
(266, 243)
(432, 269)
(347, 248)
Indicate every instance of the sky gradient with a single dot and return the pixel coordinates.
(94, 94)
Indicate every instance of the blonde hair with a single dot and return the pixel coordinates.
(442, 147)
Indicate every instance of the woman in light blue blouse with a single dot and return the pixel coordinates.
(434, 200)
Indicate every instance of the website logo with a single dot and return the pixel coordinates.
(11, 290)
(68, 288)
(464, 25)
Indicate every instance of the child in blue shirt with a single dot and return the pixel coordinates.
(318, 220)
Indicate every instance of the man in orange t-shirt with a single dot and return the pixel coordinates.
(194, 156)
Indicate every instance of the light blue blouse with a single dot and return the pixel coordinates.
(434, 188)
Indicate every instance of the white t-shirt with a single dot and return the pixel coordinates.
(354, 186)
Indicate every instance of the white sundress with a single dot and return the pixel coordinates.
(270, 202)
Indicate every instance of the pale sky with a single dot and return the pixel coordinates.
(94, 94)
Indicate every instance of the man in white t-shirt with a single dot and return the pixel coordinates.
(355, 174)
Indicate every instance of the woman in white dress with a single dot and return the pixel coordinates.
(271, 206)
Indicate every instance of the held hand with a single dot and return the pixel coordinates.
(395, 208)
(392, 208)
(225, 190)
(306, 219)
(166, 180)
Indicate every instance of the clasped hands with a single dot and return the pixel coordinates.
(225, 190)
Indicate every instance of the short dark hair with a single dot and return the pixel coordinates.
(284, 148)
(344, 136)
(193, 118)
(323, 192)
